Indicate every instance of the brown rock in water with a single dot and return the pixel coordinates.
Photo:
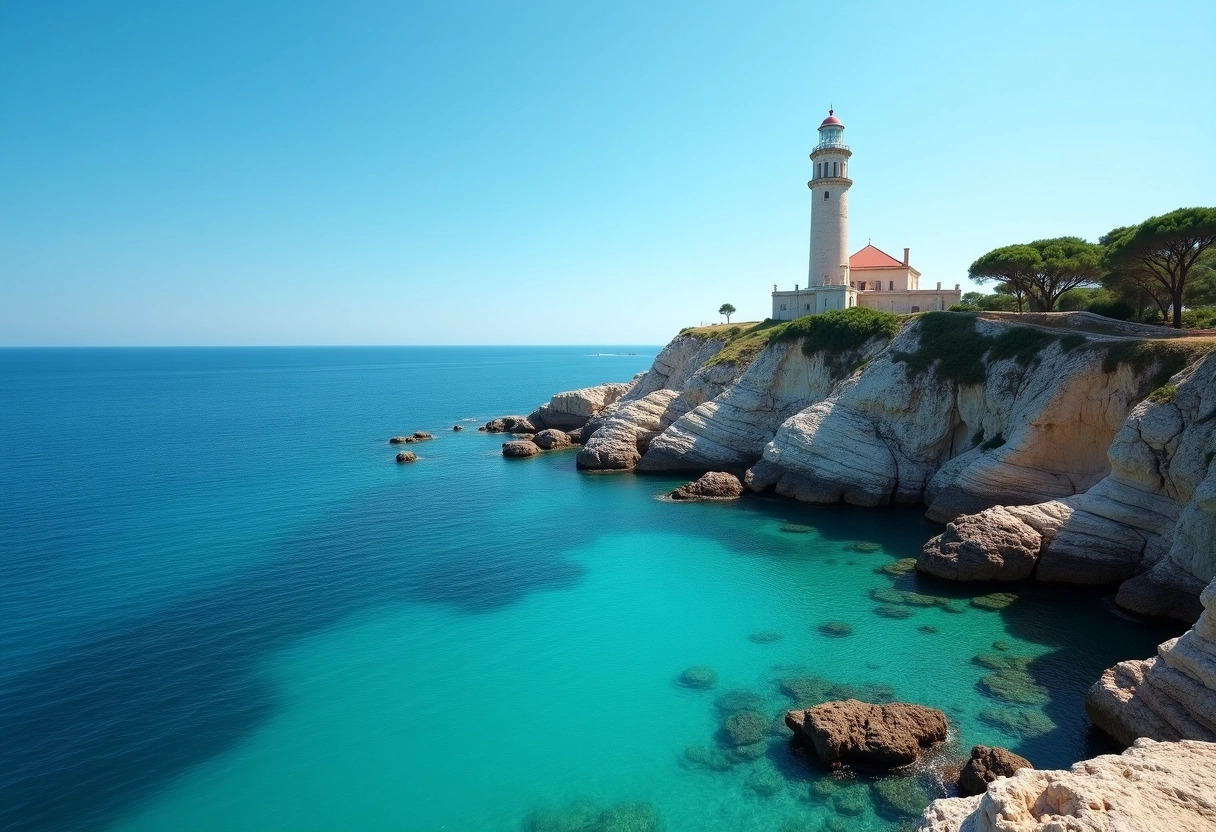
(715, 485)
(510, 424)
(876, 736)
(397, 440)
(576, 436)
(987, 764)
(520, 448)
(406, 456)
(457, 428)
(996, 545)
(552, 439)
(420, 436)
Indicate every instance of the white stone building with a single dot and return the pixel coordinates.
(835, 280)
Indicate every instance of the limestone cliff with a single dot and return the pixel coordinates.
(1165, 786)
(1151, 523)
(1171, 696)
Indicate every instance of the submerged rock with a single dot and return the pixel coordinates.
(698, 677)
(797, 528)
(734, 701)
(585, 816)
(837, 629)
(1151, 786)
(994, 600)
(715, 485)
(744, 728)
(898, 568)
(851, 800)
(1020, 723)
(519, 449)
(706, 758)
(987, 764)
(859, 733)
(866, 547)
(765, 781)
(1015, 684)
(901, 797)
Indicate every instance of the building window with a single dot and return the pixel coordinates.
(835, 168)
(915, 308)
(825, 194)
(783, 307)
(890, 285)
(808, 306)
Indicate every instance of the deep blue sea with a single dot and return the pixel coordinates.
(225, 607)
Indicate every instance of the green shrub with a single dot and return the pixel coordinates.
(1164, 393)
(1071, 341)
(1202, 317)
(1022, 343)
(950, 344)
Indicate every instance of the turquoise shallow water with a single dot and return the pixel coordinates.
(226, 608)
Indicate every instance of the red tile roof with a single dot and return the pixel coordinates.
(873, 258)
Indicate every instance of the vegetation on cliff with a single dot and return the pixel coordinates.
(838, 334)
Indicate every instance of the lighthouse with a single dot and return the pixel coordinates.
(835, 280)
(830, 206)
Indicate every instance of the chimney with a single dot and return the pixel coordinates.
(905, 257)
(956, 287)
(795, 287)
(939, 285)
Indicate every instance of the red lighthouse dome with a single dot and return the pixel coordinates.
(831, 121)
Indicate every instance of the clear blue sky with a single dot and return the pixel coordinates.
(356, 172)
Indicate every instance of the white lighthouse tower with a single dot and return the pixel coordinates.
(830, 209)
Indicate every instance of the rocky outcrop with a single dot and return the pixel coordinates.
(715, 485)
(1171, 696)
(509, 424)
(999, 544)
(623, 433)
(1150, 523)
(574, 408)
(520, 449)
(407, 456)
(1002, 430)
(730, 429)
(874, 736)
(1152, 786)
(986, 765)
(551, 439)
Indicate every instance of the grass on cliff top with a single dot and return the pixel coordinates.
(954, 349)
(837, 333)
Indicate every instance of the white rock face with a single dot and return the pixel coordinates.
(624, 431)
(575, 408)
(1169, 787)
(887, 438)
(1150, 523)
(1171, 696)
(730, 429)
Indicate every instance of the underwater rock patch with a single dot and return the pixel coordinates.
(897, 569)
(888, 611)
(734, 701)
(1017, 722)
(928, 628)
(698, 677)
(866, 547)
(764, 781)
(585, 816)
(1015, 684)
(836, 629)
(706, 758)
(852, 801)
(994, 600)
(764, 637)
(902, 797)
(797, 528)
(744, 728)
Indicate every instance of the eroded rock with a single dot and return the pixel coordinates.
(876, 736)
(551, 439)
(715, 485)
(520, 449)
(1151, 786)
(986, 764)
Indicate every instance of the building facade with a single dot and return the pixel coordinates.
(835, 279)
